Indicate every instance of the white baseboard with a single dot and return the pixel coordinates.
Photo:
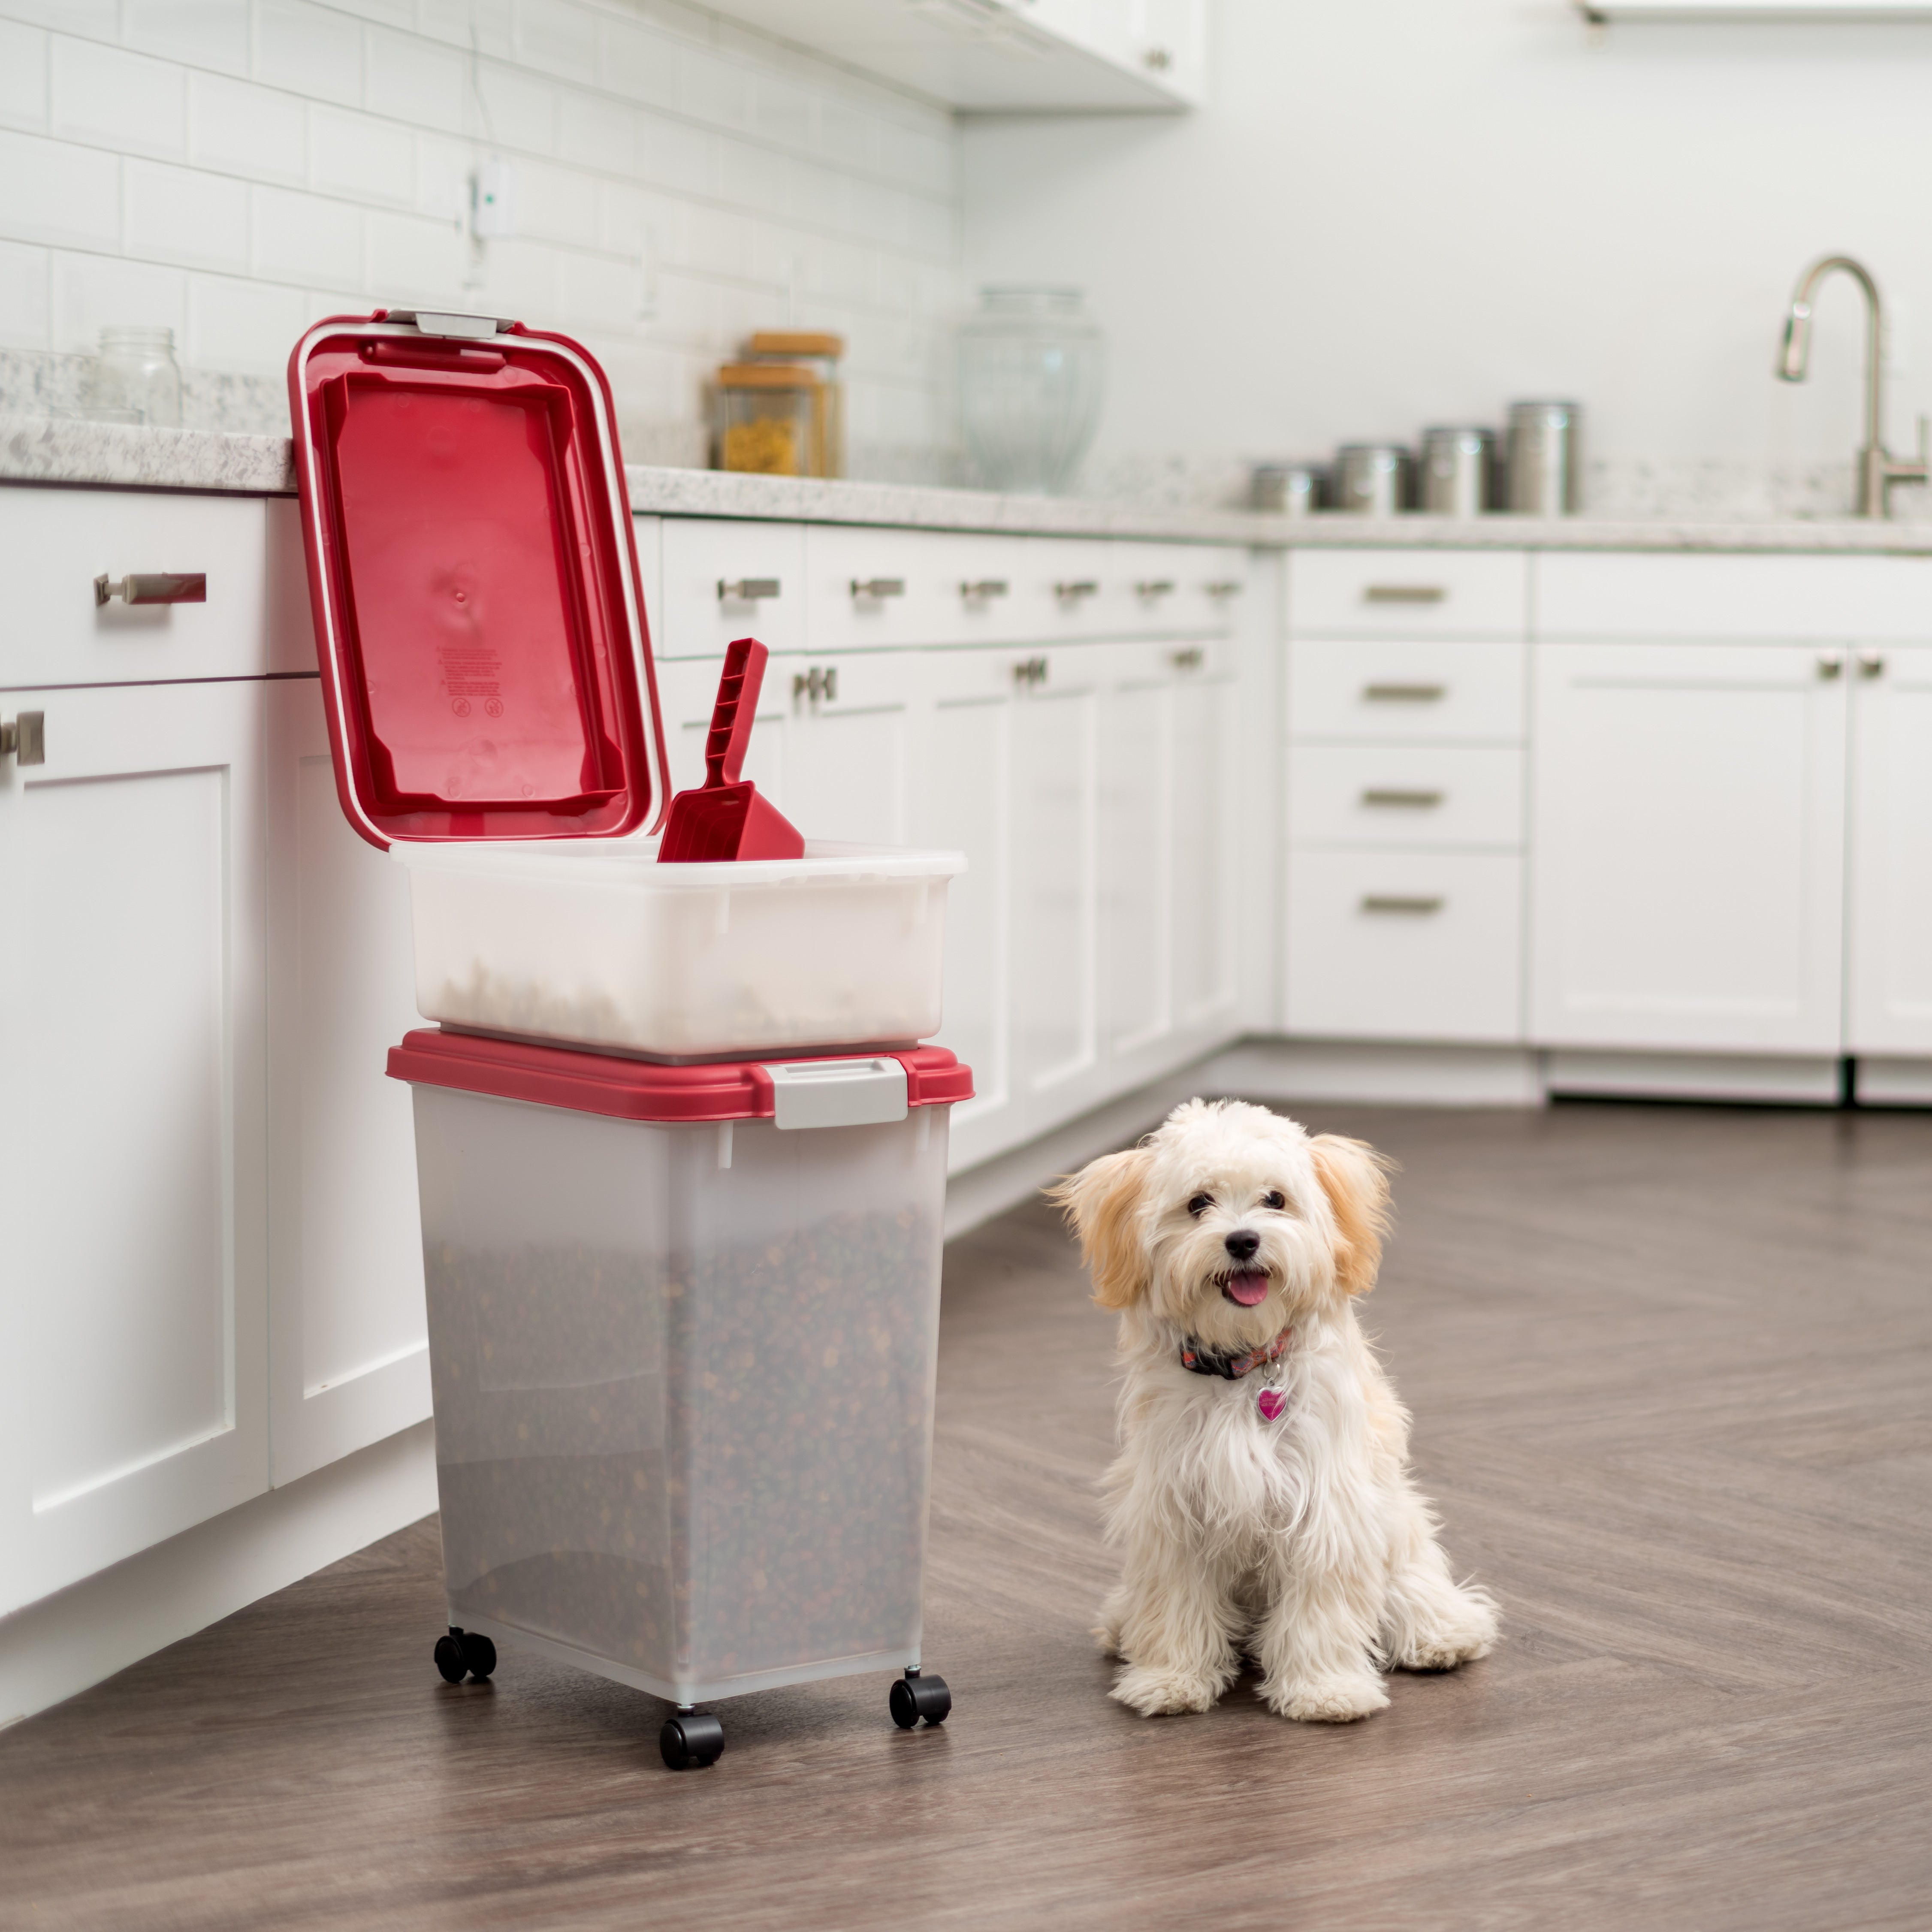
(1770, 1079)
(1894, 1083)
(1376, 1072)
(51, 1649)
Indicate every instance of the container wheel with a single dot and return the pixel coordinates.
(480, 1654)
(691, 1739)
(451, 1663)
(915, 1697)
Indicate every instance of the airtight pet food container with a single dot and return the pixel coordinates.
(486, 670)
(682, 1323)
(595, 942)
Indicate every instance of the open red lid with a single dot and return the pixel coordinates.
(479, 615)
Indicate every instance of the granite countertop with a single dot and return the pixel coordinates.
(37, 449)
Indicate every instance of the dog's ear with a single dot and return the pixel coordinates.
(1355, 1179)
(1099, 1201)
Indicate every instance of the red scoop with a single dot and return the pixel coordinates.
(725, 818)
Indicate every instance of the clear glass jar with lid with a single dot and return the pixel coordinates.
(769, 419)
(1031, 364)
(135, 378)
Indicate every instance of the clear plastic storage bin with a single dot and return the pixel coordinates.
(592, 941)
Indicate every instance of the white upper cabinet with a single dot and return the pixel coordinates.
(1688, 846)
(1888, 1000)
(133, 1300)
(1036, 56)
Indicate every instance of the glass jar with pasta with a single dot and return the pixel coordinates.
(768, 419)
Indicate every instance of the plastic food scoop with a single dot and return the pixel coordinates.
(725, 818)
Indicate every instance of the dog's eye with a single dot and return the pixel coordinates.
(1200, 1205)
(1275, 1199)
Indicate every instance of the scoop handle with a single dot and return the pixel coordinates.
(735, 711)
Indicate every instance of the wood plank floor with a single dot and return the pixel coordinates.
(1672, 1373)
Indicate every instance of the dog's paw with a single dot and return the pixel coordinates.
(1466, 1631)
(1155, 1692)
(1325, 1700)
(1107, 1637)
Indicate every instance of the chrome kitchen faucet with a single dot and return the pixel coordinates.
(1877, 471)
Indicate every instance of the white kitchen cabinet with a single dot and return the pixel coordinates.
(724, 578)
(1468, 594)
(349, 1362)
(1888, 995)
(133, 1301)
(1688, 846)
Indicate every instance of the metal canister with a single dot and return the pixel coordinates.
(1372, 479)
(1544, 464)
(1288, 489)
(1458, 470)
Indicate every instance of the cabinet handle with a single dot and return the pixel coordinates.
(1870, 663)
(987, 587)
(1404, 694)
(747, 589)
(1421, 800)
(1225, 586)
(878, 586)
(1405, 593)
(821, 682)
(1155, 587)
(1831, 664)
(1192, 658)
(1030, 671)
(165, 586)
(1085, 587)
(26, 737)
(1397, 902)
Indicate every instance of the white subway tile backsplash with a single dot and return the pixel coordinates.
(709, 89)
(366, 160)
(408, 79)
(26, 296)
(514, 110)
(393, 13)
(600, 293)
(57, 192)
(556, 204)
(90, 291)
(184, 215)
(673, 156)
(521, 278)
(122, 100)
(247, 326)
(98, 19)
(483, 26)
(557, 37)
(200, 33)
(311, 50)
(600, 133)
(634, 61)
(23, 76)
(413, 259)
(300, 238)
(444, 169)
(246, 129)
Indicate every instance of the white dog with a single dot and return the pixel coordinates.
(1261, 1496)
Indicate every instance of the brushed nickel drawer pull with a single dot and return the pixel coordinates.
(1405, 593)
(165, 586)
(1831, 664)
(1421, 800)
(1404, 694)
(1154, 586)
(1397, 902)
(878, 586)
(1871, 664)
(747, 589)
(1224, 587)
(987, 587)
(26, 737)
(1030, 671)
(821, 682)
(1083, 587)
(1192, 658)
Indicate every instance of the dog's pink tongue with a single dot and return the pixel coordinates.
(1249, 1290)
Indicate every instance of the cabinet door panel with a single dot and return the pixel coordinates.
(1687, 831)
(350, 1363)
(1136, 819)
(130, 1157)
(1889, 1002)
(1208, 920)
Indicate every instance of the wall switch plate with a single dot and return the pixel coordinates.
(494, 211)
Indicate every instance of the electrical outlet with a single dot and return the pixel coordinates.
(494, 210)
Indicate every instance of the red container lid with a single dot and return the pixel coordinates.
(479, 614)
(641, 1089)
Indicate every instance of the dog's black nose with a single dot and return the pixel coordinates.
(1242, 1245)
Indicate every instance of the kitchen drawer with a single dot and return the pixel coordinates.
(1170, 589)
(699, 553)
(1406, 796)
(1587, 597)
(869, 589)
(256, 618)
(1405, 945)
(1390, 691)
(1408, 593)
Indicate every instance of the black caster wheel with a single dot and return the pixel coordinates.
(465, 1654)
(480, 1654)
(690, 1740)
(916, 1696)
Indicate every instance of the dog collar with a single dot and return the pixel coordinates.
(1231, 1368)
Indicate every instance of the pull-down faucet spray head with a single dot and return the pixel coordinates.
(1796, 352)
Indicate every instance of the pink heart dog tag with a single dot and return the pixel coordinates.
(1270, 1402)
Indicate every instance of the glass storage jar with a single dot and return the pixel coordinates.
(135, 378)
(820, 351)
(1030, 368)
(770, 417)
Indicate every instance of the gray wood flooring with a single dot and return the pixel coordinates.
(1672, 1369)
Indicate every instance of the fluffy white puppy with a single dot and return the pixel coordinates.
(1261, 1497)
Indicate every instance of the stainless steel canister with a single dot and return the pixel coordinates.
(1458, 470)
(1288, 489)
(1544, 464)
(1372, 478)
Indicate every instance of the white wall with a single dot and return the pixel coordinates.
(235, 168)
(1397, 212)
